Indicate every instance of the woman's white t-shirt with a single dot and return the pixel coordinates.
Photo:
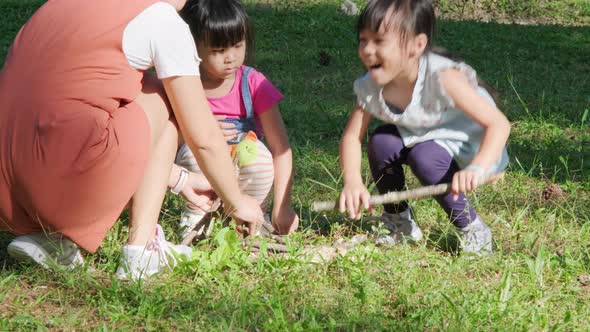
(158, 37)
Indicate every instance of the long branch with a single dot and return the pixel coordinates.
(400, 196)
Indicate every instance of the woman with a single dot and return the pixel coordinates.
(85, 133)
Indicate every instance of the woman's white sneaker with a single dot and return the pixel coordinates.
(47, 250)
(142, 261)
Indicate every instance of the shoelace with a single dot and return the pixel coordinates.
(162, 247)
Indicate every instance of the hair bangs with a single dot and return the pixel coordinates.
(224, 30)
(372, 16)
(407, 17)
(388, 14)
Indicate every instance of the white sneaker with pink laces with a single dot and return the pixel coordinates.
(141, 261)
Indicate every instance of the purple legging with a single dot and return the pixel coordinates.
(430, 162)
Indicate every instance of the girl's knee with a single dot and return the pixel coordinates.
(257, 178)
(257, 183)
(384, 146)
(430, 163)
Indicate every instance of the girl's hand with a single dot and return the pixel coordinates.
(285, 220)
(228, 129)
(198, 192)
(466, 180)
(353, 198)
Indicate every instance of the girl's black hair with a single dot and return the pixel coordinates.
(411, 17)
(218, 23)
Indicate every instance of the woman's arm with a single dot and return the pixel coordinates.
(495, 124)
(278, 143)
(354, 194)
(202, 135)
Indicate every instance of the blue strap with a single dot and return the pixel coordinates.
(246, 97)
(244, 125)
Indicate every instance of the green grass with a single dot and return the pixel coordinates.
(529, 283)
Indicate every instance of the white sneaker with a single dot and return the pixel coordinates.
(476, 238)
(139, 261)
(47, 250)
(191, 220)
(400, 226)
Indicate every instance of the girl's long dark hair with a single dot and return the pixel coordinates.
(411, 18)
(218, 23)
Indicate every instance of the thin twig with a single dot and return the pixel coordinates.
(399, 196)
(275, 247)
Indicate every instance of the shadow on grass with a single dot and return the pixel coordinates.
(5, 239)
(444, 241)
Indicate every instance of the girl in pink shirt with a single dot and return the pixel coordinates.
(243, 100)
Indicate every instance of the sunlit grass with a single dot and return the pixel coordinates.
(531, 282)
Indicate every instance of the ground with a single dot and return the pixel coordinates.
(537, 278)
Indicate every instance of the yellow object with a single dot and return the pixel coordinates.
(246, 151)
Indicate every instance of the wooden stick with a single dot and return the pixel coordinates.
(275, 247)
(400, 196)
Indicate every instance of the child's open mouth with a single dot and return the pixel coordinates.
(375, 67)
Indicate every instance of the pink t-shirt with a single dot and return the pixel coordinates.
(263, 92)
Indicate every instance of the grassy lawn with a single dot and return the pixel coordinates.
(535, 280)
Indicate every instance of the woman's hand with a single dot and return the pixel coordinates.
(466, 180)
(353, 198)
(285, 220)
(227, 128)
(198, 192)
(247, 211)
